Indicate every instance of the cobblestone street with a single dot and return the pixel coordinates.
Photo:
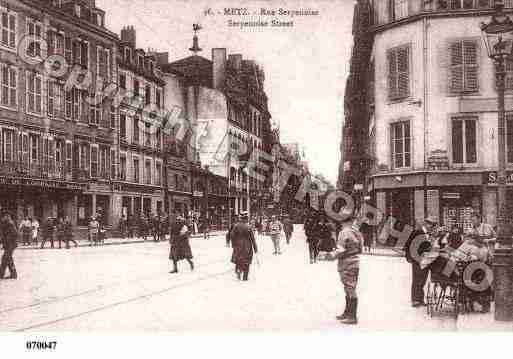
(128, 287)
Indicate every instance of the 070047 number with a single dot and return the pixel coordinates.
(37, 345)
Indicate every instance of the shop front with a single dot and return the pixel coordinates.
(38, 198)
(180, 203)
(135, 200)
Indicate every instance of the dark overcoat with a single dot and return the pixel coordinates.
(180, 246)
(243, 244)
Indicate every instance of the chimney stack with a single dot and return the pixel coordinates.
(235, 61)
(218, 67)
(128, 35)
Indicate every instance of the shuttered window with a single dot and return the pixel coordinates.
(464, 140)
(398, 72)
(464, 69)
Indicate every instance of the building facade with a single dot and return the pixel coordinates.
(139, 187)
(56, 148)
(225, 102)
(433, 126)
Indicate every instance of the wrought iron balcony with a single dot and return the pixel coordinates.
(51, 171)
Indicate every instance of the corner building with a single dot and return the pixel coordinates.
(433, 127)
(56, 150)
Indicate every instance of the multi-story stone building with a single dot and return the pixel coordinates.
(139, 188)
(433, 128)
(56, 149)
(225, 102)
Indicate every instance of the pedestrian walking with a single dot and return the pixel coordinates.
(61, 232)
(348, 248)
(35, 230)
(180, 247)
(68, 233)
(417, 244)
(228, 234)
(288, 228)
(26, 231)
(94, 228)
(9, 236)
(326, 235)
(275, 229)
(133, 223)
(312, 239)
(366, 231)
(48, 231)
(244, 246)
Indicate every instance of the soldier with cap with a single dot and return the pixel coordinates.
(9, 236)
(348, 248)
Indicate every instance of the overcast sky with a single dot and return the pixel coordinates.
(305, 65)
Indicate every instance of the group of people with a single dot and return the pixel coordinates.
(59, 229)
(321, 233)
(474, 244)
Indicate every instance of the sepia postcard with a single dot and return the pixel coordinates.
(323, 169)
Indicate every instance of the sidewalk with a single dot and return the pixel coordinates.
(115, 241)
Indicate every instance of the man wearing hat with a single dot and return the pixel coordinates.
(417, 244)
(348, 248)
(288, 228)
(9, 236)
(244, 245)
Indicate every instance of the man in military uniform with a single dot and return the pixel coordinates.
(349, 246)
(9, 236)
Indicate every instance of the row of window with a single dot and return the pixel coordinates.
(74, 50)
(137, 58)
(151, 94)
(463, 63)
(143, 133)
(251, 121)
(463, 141)
(57, 158)
(136, 170)
(72, 104)
(392, 10)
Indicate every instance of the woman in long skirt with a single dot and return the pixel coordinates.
(180, 247)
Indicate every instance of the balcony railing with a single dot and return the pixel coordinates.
(51, 171)
(23, 169)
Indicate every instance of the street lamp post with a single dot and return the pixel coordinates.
(498, 39)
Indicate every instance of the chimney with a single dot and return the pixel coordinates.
(162, 58)
(218, 67)
(235, 61)
(128, 35)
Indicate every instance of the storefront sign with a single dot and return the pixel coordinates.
(491, 177)
(197, 194)
(451, 195)
(39, 183)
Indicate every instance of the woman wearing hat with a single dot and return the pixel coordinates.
(180, 246)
